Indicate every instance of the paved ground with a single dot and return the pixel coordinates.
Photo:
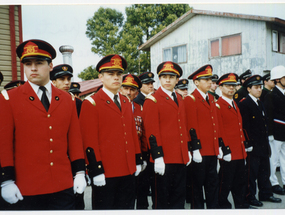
(266, 205)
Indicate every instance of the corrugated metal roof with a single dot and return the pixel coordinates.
(191, 13)
(90, 86)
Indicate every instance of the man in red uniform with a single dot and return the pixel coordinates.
(130, 86)
(165, 126)
(110, 139)
(202, 124)
(41, 145)
(232, 175)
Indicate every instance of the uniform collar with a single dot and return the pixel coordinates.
(169, 93)
(202, 93)
(230, 101)
(253, 98)
(110, 94)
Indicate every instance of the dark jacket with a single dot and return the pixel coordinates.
(254, 121)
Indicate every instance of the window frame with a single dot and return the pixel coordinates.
(279, 33)
(220, 46)
(171, 50)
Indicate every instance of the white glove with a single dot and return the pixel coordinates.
(220, 155)
(190, 158)
(159, 166)
(99, 180)
(79, 183)
(249, 149)
(144, 165)
(10, 192)
(138, 170)
(197, 156)
(228, 157)
(270, 138)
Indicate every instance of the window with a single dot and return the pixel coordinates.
(225, 46)
(176, 54)
(278, 41)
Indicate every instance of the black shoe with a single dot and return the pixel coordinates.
(250, 207)
(255, 202)
(278, 190)
(271, 199)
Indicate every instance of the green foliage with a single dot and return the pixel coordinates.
(110, 35)
(89, 73)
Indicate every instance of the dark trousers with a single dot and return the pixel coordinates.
(189, 184)
(232, 176)
(118, 193)
(79, 201)
(258, 168)
(5, 205)
(170, 187)
(63, 200)
(205, 175)
(143, 184)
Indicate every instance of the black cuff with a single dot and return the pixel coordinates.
(247, 144)
(145, 156)
(221, 142)
(156, 151)
(195, 144)
(95, 167)
(139, 160)
(77, 165)
(7, 173)
(226, 150)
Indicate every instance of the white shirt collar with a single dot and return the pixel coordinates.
(110, 94)
(281, 90)
(169, 93)
(230, 101)
(253, 98)
(202, 93)
(39, 93)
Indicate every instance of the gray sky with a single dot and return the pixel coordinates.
(65, 24)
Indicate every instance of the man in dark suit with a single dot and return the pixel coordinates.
(256, 130)
(242, 92)
(41, 151)
(268, 85)
(182, 87)
(274, 104)
(147, 87)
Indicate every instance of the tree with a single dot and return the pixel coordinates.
(109, 34)
(89, 73)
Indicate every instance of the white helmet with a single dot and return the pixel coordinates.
(277, 72)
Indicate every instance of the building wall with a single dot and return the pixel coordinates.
(196, 34)
(5, 43)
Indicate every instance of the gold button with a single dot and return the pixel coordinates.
(50, 127)
(215, 138)
(240, 135)
(88, 150)
(181, 141)
(51, 163)
(198, 143)
(51, 151)
(48, 115)
(158, 153)
(214, 124)
(99, 166)
(214, 131)
(180, 127)
(180, 135)
(212, 117)
(124, 125)
(127, 151)
(125, 133)
(126, 142)
(50, 139)
(178, 120)
(3, 173)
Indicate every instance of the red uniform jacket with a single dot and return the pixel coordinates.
(137, 110)
(40, 145)
(166, 121)
(232, 129)
(203, 118)
(111, 133)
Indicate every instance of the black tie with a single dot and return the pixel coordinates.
(207, 99)
(44, 98)
(234, 105)
(117, 102)
(174, 98)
